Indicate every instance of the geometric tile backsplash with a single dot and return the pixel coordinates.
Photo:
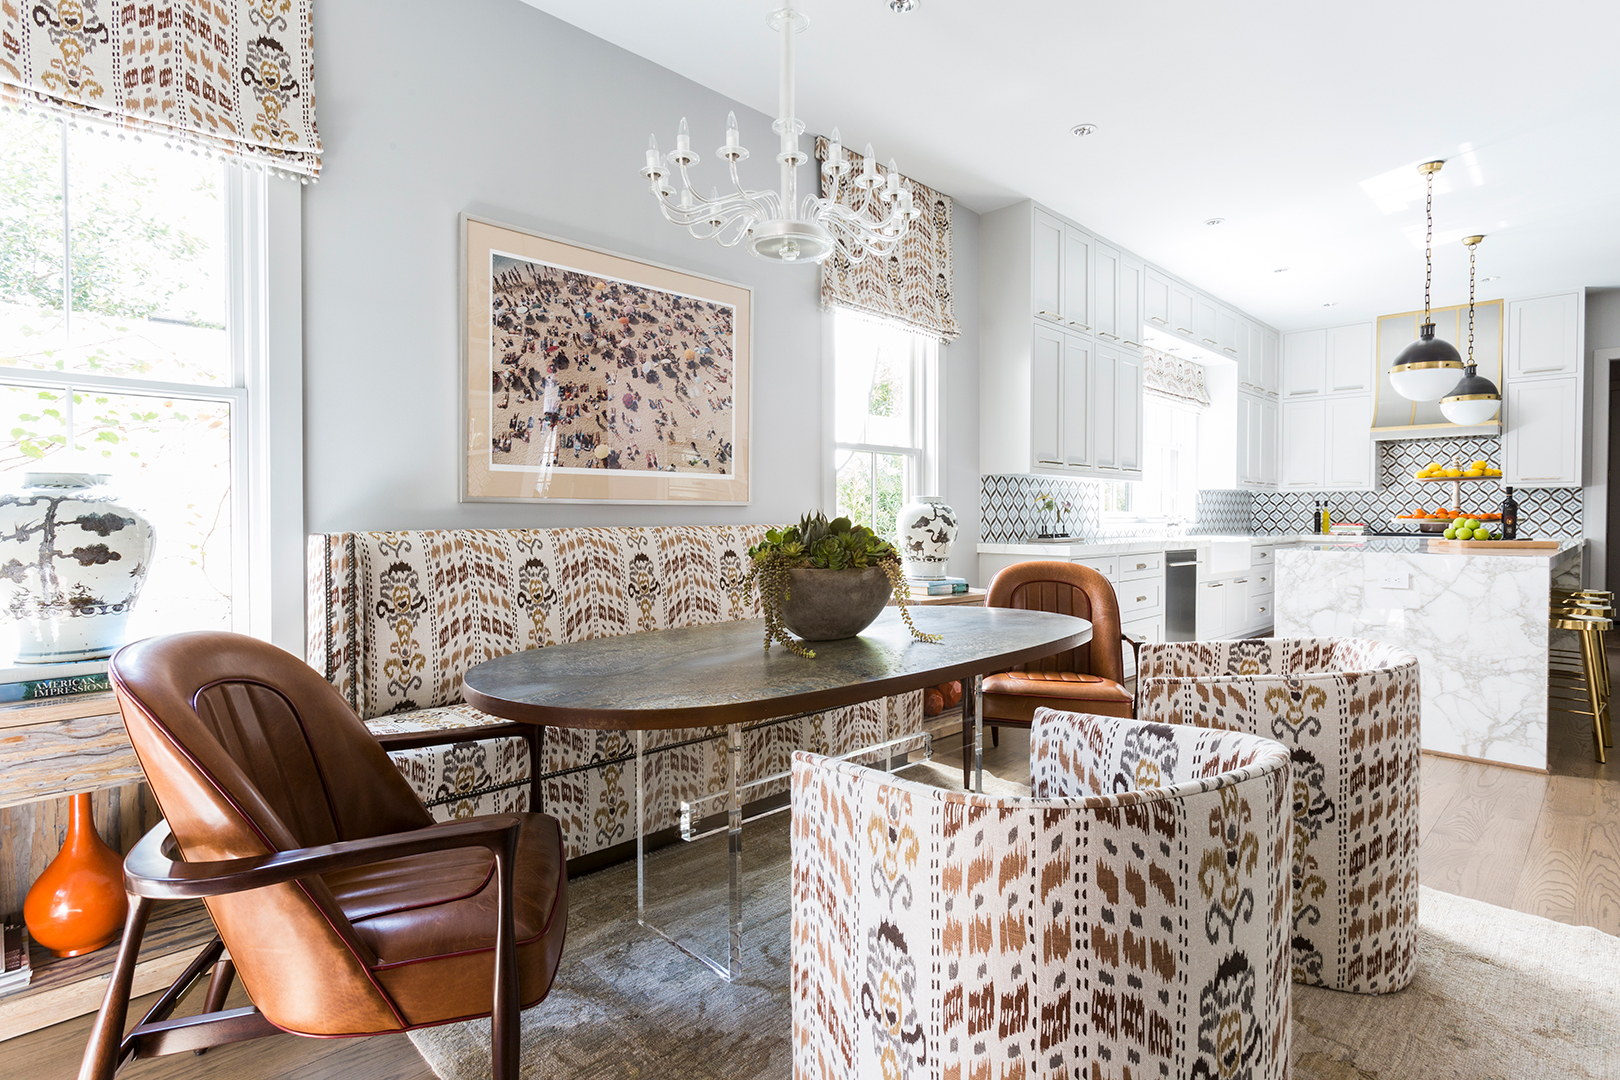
(1009, 514)
(1544, 513)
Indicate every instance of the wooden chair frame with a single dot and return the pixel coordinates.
(152, 871)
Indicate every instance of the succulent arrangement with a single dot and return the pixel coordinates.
(816, 543)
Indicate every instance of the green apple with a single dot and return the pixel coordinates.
(1482, 534)
(1451, 534)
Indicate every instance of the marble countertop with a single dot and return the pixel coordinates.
(1085, 547)
(1400, 545)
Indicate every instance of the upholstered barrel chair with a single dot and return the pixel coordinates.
(1129, 919)
(1347, 710)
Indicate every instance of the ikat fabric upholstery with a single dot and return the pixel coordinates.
(230, 77)
(1128, 921)
(1348, 711)
(397, 618)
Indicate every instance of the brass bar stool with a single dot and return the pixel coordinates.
(1590, 602)
(1589, 628)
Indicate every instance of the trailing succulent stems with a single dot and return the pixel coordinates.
(818, 544)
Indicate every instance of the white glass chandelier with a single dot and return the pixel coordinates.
(781, 225)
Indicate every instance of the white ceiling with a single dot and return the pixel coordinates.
(1300, 124)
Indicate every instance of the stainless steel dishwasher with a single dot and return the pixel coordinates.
(1181, 595)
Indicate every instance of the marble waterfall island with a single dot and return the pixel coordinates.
(1476, 621)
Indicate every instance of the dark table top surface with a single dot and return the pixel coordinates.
(720, 674)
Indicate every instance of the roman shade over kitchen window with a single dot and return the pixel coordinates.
(229, 77)
(1171, 377)
(912, 285)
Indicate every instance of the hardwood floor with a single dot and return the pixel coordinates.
(1548, 845)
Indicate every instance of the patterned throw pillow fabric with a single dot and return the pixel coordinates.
(397, 618)
(1129, 920)
(1348, 711)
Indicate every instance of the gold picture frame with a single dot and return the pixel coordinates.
(589, 376)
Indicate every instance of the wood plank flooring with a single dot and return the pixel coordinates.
(1547, 845)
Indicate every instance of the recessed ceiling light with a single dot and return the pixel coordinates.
(1083, 130)
(900, 7)
(1280, 270)
(1493, 277)
(1216, 221)
(1331, 303)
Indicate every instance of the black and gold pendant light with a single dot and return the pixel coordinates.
(1427, 369)
(1474, 400)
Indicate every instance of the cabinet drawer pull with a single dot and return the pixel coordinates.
(1161, 322)
(1141, 566)
(1262, 609)
(1241, 581)
(1139, 599)
(1209, 341)
(1049, 314)
(1079, 325)
(1216, 585)
(1106, 334)
(1228, 349)
(1184, 329)
(1044, 461)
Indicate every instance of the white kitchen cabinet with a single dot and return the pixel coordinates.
(1304, 453)
(1349, 450)
(1349, 359)
(1046, 397)
(1270, 361)
(1128, 395)
(1209, 620)
(1541, 447)
(1304, 364)
(1105, 385)
(1235, 606)
(1156, 299)
(1078, 314)
(1105, 291)
(1257, 440)
(1182, 300)
(1544, 336)
(1079, 410)
(1226, 331)
(1206, 317)
(1132, 272)
(1270, 427)
(1046, 278)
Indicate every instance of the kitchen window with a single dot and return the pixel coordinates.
(1169, 485)
(886, 406)
(129, 298)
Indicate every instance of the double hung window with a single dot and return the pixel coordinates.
(127, 307)
(886, 393)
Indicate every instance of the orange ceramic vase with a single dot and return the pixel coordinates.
(78, 904)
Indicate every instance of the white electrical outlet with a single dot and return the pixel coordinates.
(1395, 579)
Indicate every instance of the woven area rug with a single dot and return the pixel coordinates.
(1499, 994)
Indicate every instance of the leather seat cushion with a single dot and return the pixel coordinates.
(430, 920)
(1013, 696)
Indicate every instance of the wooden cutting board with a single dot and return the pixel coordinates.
(1506, 547)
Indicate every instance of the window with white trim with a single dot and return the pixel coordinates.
(129, 287)
(1169, 484)
(885, 437)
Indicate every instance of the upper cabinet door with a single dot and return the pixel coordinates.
(1350, 445)
(1270, 361)
(1350, 359)
(1078, 313)
(1078, 432)
(1046, 397)
(1156, 299)
(1105, 291)
(1206, 315)
(1105, 423)
(1131, 284)
(1226, 330)
(1541, 447)
(1128, 414)
(1181, 309)
(1304, 363)
(1543, 336)
(1047, 282)
(1268, 442)
(1251, 355)
(1304, 444)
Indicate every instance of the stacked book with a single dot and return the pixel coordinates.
(15, 970)
(37, 682)
(921, 588)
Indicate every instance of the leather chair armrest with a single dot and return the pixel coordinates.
(152, 871)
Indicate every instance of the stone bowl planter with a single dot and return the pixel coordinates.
(825, 605)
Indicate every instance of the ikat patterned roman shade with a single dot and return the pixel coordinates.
(912, 285)
(230, 77)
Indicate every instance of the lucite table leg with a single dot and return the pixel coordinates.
(734, 823)
(978, 734)
(641, 829)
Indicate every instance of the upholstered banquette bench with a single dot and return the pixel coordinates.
(397, 618)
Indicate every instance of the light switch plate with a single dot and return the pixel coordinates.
(1395, 579)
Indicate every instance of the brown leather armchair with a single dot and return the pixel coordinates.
(1089, 679)
(345, 909)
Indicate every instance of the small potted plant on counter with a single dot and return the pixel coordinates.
(825, 580)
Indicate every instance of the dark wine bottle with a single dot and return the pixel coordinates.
(1316, 517)
(1510, 516)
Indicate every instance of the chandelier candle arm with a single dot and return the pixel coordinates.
(778, 224)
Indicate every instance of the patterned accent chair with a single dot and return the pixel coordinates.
(397, 618)
(1348, 711)
(1129, 919)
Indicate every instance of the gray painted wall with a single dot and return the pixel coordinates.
(542, 126)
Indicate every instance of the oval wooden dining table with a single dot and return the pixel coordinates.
(718, 674)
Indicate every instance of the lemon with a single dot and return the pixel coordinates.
(1433, 467)
(1481, 464)
(1453, 472)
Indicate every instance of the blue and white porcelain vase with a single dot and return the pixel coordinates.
(72, 563)
(927, 529)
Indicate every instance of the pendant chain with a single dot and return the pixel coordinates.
(1428, 249)
(1473, 253)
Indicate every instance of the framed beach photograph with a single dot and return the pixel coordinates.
(595, 377)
